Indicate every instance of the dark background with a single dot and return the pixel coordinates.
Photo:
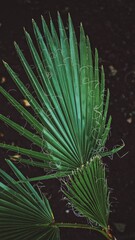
(111, 28)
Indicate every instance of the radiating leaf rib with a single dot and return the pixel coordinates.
(47, 136)
(85, 78)
(37, 163)
(96, 78)
(59, 61)
(103, 127)
(54, 62)
(59, 174)
(75, 73)
(51, 138)
(97, 127)
(99, 192)
(50, 86)
(53, 122)
(22, 210)
(84, 193)
(67, 63)
(90, 94)
(106, 132)
(8, 193)
(31, 153)
(28, 186)
(46, 158)
(65, 50)
(88, 192)
(69, 69)
(16, 187)
(26, 205)
(24, 132)
(37, 126)
(102, 88)
(60, 83)
(70, 105)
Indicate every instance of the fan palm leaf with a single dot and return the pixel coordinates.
(24, 213)
(88, 192)
(71, 105)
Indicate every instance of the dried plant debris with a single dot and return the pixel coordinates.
(25, 103)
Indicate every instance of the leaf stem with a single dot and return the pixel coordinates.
(81, 226)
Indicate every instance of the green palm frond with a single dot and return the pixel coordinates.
(71, 105)
(87, 191)
(24, 213)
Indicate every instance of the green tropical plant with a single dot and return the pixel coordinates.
(71, 129)
(88, 192)
(23, 211)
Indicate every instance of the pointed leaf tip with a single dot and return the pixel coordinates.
(25, 31)
(15, 44)
(7, 160)
(96, 52)
(33, 22)
(58, 13)
(69, 15)
(5, 63)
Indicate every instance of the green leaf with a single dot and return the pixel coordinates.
(88, 192)
(24, 212)
(34, 154)
(70, 109)
(24, 132)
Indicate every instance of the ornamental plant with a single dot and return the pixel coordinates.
(71, 124)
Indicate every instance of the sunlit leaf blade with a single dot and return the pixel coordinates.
(70, 103)
(24, 212)
(88, 192)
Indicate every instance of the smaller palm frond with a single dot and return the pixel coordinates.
(24, 213)
(71, 104)
(88, 192)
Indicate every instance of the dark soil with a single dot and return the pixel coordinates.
(110, 26)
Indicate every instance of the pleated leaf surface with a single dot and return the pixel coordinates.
(24, 212)
(71, 104)
(88, 193)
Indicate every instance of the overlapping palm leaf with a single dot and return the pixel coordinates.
(88, 192)
(24, 213)
(71, 105)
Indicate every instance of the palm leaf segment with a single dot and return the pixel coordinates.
(24, 213)
(87, 191)
(70, 104)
